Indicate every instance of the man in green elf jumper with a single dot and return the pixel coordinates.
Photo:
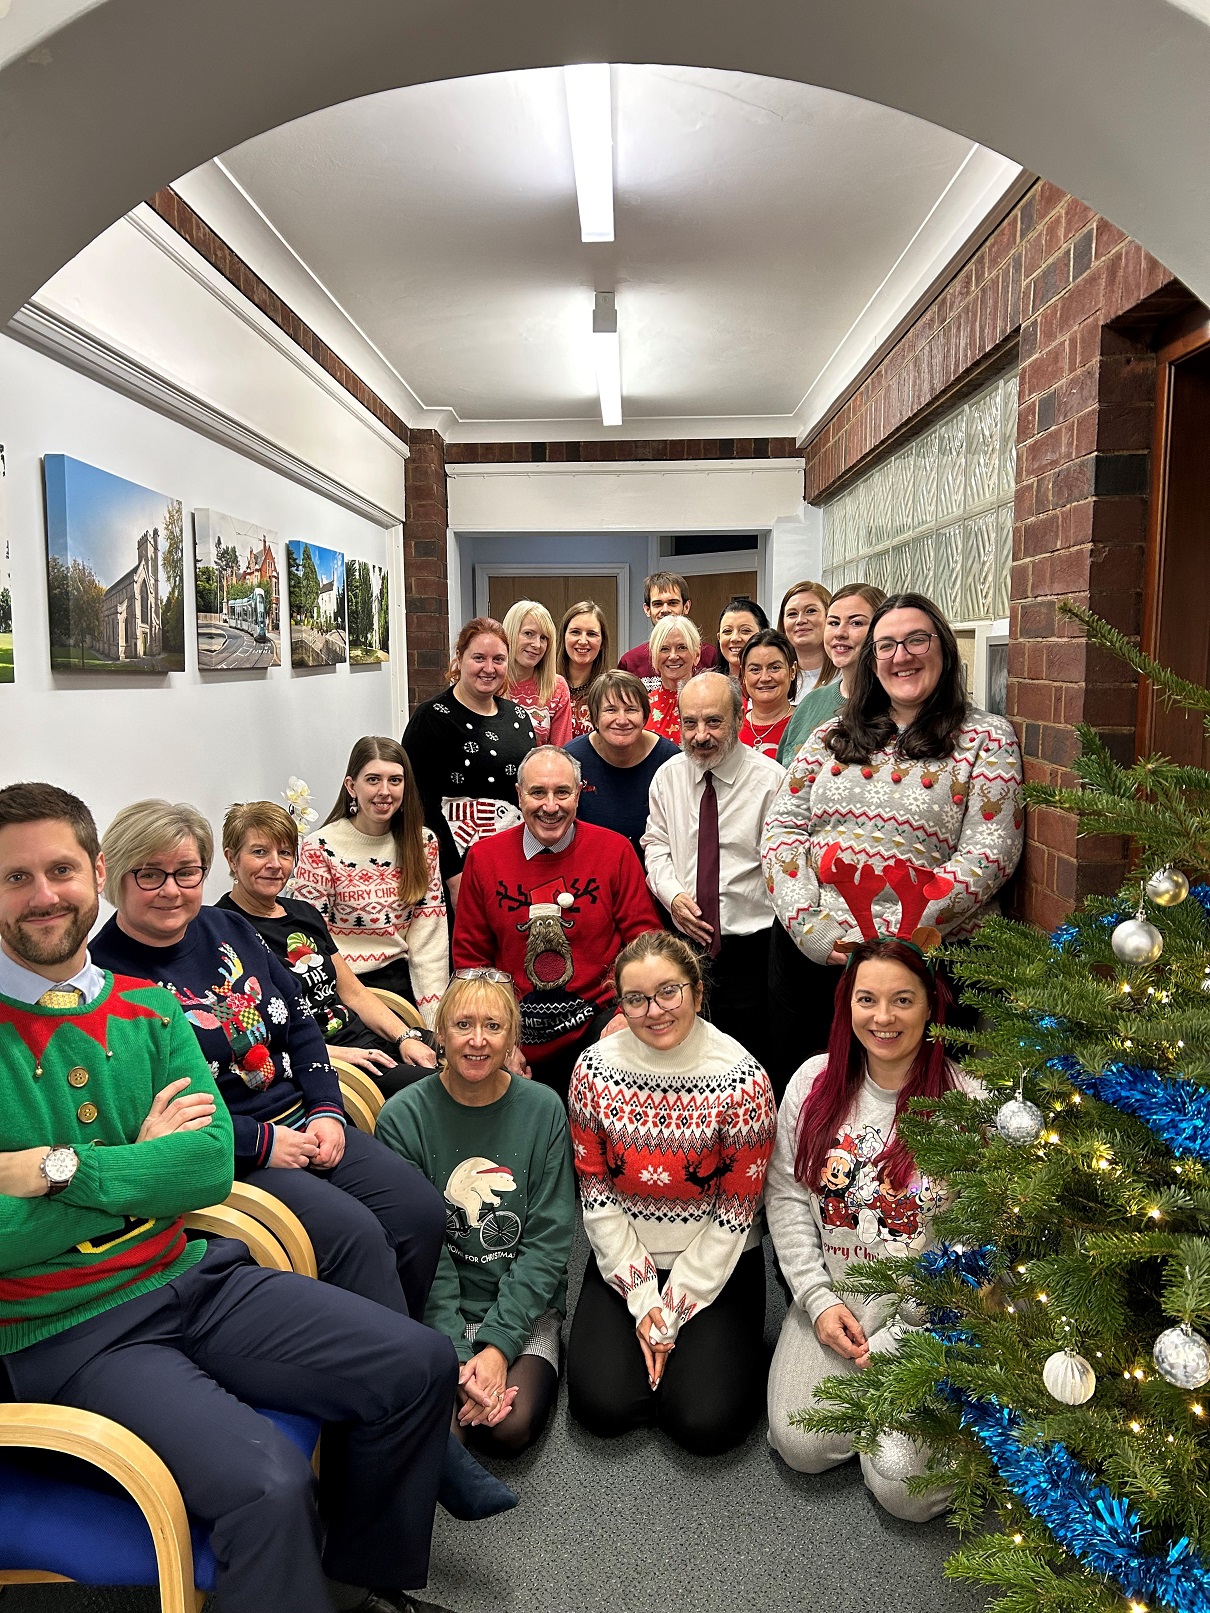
(111, 1128)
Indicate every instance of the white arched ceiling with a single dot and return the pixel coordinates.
(1105, 97)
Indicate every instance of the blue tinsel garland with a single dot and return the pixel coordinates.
(1097, 1527)
(974, 1266)
(1177, 1110)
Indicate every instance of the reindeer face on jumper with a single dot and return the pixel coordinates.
(237, 1015)
(548, 960)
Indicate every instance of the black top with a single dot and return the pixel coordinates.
(616, 797)
(466, 770)
(302, 940)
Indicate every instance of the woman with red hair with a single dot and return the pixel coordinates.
(843, 1187)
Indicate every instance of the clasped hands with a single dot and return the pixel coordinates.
(172, 1109)
(321, 1143)
(483, 1389)
(655, 1347)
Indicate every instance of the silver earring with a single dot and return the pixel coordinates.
(352, 806)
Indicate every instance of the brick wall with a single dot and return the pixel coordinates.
(587, 453)
(1079, 302)
(426, 599)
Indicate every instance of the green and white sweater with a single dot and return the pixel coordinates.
(85, 1078)
(510, 1202)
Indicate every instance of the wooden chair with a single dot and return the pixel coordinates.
(406, 1011)
(93, 1536)
(356, 1080)
(358, 1110)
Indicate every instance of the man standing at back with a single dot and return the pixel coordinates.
(111, 1131)
(551, 903)
(707, 810)
(665, 593)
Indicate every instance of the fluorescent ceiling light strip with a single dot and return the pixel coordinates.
(590, 118)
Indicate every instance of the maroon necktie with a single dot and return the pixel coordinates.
(707, 863)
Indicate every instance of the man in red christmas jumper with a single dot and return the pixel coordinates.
(552, 902)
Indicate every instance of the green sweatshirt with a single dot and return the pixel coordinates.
(85, 1077)
(510, 1203)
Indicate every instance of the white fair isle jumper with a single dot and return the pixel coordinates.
(853, 850)
(671, 1149)
(352, 879)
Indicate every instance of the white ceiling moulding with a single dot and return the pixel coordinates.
(607, 357)
(590, 120)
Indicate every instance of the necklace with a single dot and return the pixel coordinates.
(762, 730)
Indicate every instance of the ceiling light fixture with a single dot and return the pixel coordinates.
(590, 118)
(607, 355)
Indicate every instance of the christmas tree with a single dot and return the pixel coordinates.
(1050, 1352)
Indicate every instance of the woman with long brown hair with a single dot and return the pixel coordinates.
(371, 870)
(801, 619)
(844, 630)
(583, 656)
(842, 1187)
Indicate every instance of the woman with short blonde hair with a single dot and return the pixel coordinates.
(676, 650)
(533, 681)
(498, 1147)
(147, 827)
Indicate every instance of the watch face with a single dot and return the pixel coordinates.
(59, 1166)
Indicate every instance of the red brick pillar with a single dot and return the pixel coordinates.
(426, 582)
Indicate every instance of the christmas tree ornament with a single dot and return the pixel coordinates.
(1069, 1378)
(1136, 941)
(896, 1457)
(1168, 887)
(1018, 1121)
(1183, 1357)
(912, 1313)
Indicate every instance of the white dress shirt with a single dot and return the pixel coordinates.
(23, 985)
(745, 784)
(532, 847)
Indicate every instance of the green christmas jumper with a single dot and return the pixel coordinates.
(510, 1201)
(85, 1078)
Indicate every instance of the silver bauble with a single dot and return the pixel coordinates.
(896, 1457)
(1168, 887)
(1069, 1378)
(911, 1312)
(1183, 1357)
(1136, 941)
(1019, 1122)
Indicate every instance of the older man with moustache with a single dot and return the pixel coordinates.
(551, 903)
(707, 809)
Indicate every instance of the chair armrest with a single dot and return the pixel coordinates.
(358, 1081)
(280, 1220)
(223, 1221)
(407, 1012)
(135, 1466)
(357, 1109)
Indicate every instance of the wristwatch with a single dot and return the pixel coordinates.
(410, 1035)
(58, 1167)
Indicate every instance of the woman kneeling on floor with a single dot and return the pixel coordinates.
(842, 1187)
(672, 1124)
(499, 1148)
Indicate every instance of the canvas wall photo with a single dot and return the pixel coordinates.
(115, 572)
(368, 610)
(316, 590)
(6, 594)
(238, 588)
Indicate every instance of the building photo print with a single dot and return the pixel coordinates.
(115, 564)
(238, 594)
(316, 589)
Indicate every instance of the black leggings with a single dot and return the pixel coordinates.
(802, 997)
(713, 1386)
(537, 1385)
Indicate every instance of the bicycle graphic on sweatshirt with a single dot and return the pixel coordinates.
(472, 1204)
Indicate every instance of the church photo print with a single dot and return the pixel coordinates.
(238, 585)
(316, 590)
(115, 572)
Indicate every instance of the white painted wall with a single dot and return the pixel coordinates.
(210, 740)
(795, 550)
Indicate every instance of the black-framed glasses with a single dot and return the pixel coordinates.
(496, 976)
(915, 644)
(186, 878)
(634, 1004)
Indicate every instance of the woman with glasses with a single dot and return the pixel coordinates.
(903, 812)
(498, 1148)
(672, 1124)
(376, 1224)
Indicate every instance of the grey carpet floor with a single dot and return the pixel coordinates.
(634, 1525)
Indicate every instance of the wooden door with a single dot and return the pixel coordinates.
(711, 592)
(1176, 624)
(558, 592)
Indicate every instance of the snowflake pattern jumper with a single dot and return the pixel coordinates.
(894, 844)
(665, 718)
(671, 1149)
(551, 723)
(351, 878)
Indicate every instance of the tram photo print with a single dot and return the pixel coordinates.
(238, 594)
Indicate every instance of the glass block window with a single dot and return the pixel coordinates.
(936, 518)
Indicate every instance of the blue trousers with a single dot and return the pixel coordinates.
(377, 1224)
(182, 1367)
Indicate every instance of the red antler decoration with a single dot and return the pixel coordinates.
(860, 883)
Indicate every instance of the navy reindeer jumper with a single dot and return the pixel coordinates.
(264, 1049)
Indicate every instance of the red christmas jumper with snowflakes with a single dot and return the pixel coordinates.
(560, 953)
(671, 1148)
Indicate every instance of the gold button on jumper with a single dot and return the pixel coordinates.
(87, 1112)
(77, 1077)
